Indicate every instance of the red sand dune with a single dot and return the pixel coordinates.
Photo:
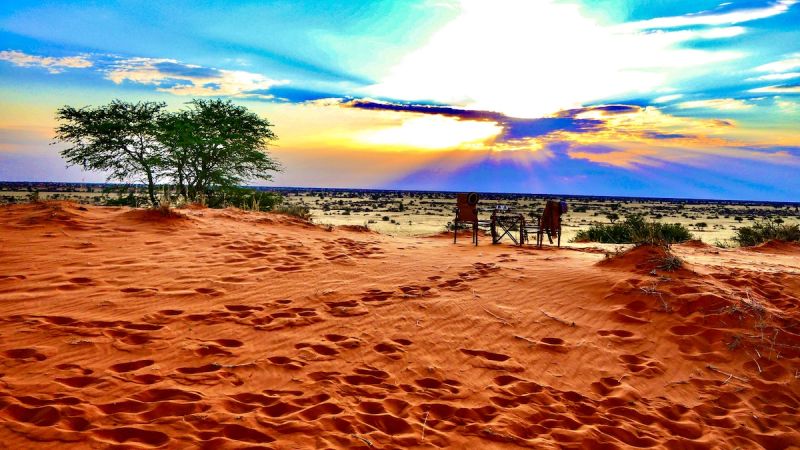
(226, 329)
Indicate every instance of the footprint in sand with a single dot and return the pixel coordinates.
(25, 354)
(131, 366)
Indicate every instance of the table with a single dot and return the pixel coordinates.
(507, 224)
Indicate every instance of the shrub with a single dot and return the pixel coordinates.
(670, 263)
(300, 211)
(767, 230)
(243, 198)
(635, 230)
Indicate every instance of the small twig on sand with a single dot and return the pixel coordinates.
(502, 319)
(525, 339)
(424, 422)
(363, 439)
(730, 375)
(557, 319)
(754, 360)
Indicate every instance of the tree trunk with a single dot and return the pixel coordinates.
(151, 188)
(181, 186)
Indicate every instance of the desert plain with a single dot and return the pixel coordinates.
(127, 328)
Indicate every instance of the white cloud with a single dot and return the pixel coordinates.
(51, 63)
(667, 98)
(715, 18)
(723, 104)
(778, 89)
(781, 66)
(532, 58)
(169, 75)
(777, 76)
(720, 33)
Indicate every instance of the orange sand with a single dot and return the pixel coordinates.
(226, 329)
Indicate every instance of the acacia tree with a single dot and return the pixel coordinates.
(216, 144)
(210, 145)
(121, 138)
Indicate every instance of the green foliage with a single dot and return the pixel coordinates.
(243, 198)
(635, 230)
(215, 144)
(208, 148)
(580, 209)
(767, 230)
(120, 138)
(128, 200)
(300, 211)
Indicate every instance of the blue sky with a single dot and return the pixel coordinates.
(607, 97)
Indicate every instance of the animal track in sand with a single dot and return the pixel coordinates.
(79, 381)
(13, 277)
(346, 308)
(241, 308)
(433, 384)
(138, 290)
(74, 368)
(81, 280)
(553, 344)
(166, 394)
(642, 365)
(173, 409)
(208, 291)
(285, 361)
(416, 291)
(213, 367)
(376, 295)
(142, 326)
(389, 349)
(25, 354)
(44, 416)
(486, 354)
(131, 366)
(319, 349)
(123, 435)
(623, 334)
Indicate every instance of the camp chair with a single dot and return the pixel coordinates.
(466, 212)
(550, 222)
(505, 222)
(530, 226)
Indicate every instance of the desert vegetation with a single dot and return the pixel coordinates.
(635, 229)
(202, 153)
(767, 230)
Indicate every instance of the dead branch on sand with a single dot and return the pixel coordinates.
(525, 339)
(363, 439)
(557, 319)
(424, 422)
(730, 375)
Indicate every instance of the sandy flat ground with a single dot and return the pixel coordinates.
(226, 329)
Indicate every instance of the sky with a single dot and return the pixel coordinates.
(653, 98)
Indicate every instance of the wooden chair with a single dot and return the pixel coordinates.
(529, 227)
(550, 222)
(466, 212)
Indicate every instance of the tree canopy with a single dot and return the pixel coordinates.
(210, 145)
(120, 138)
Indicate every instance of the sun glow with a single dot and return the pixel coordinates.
(432, 133)
(568, 59)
